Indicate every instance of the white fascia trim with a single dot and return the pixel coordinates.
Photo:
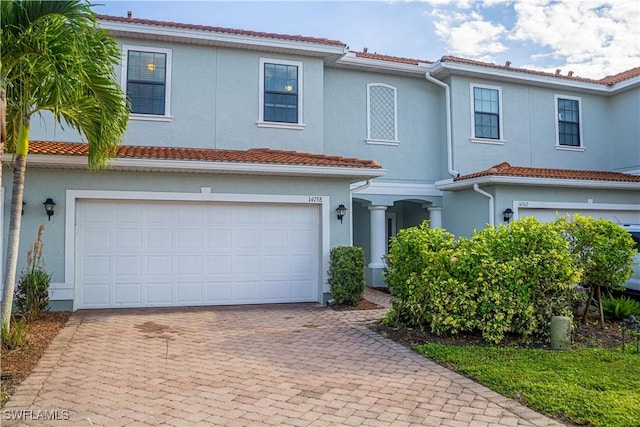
(517, 75)
(524, 204)
(204, 195)
(396, 189)
(197, 166)
(450, 185)
(350, 58)
(223, 38)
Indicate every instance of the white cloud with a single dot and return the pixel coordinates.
(592, 38)
(469, 35)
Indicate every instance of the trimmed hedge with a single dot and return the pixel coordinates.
(346, 274)
(505, 280)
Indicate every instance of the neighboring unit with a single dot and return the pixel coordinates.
(242, 145)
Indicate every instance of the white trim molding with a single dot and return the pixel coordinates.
(558, 146)
(525, 204)
(396, 189)
(205, 195)
(370, 138)
(500, 140)
(200, 166)
(451, 185)
(300, 120)
(167, 80)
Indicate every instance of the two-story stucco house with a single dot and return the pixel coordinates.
(243, 148)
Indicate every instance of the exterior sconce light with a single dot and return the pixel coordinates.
(507, 215)
(342, 211)
(48, 207)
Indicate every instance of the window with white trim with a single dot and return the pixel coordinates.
(146, 78)
(280, 93)
(382, 114)
(486, 120)
(568, 122)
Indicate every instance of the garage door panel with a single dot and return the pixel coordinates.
(189, 292)
(128, 293)
(96, 294)
(158, 293)
(275, 264)
(96, 238)
(193, 253)
(189, 238)
(128, 238)
(219, 239)
(159, 265)
(219, 264)
(128, 266)
(246, 291)
(159, 238)
(189, 265)
(96, 266)
(128, 213)
(302, 288)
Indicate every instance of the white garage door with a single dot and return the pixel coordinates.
(617, 216)
(142, 254)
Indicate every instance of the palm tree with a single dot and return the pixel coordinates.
(55, 58)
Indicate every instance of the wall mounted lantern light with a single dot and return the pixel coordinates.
(48, 207)
(342, 211)
(507, 215)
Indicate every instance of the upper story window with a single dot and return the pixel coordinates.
(382, 114)
(146, 77)
(486, 122)
(280, 93)
(568, 123)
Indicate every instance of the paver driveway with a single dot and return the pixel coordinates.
(298, 364)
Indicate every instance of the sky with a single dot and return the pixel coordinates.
(592, 38)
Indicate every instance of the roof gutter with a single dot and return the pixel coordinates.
(477, 189)
(447, 95)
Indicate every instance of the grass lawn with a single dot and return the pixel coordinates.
(599, 387)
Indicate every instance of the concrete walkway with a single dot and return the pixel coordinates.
(289, 364)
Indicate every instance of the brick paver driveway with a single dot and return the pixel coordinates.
(298, 364)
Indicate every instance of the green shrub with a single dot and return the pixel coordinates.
(505, 280)
(15, 336)
(346, 274)
(621, 307)
(32, 292)
(602, 249)
(411, 253)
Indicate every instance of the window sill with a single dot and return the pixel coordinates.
(488, 141)
(294, 126)
(568, 148)
(150, 117)
(382, 142)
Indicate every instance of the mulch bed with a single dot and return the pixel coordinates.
(363, 304)
(16, 364)
(585, 335)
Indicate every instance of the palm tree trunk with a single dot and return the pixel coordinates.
(15, 220)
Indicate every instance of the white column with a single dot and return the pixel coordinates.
(378, 235)
(435, 216)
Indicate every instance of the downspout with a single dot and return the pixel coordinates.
(447, 96)
(477, 189)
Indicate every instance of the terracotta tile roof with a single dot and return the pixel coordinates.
(625, 75)
(256, 155)
(505, 169)
(222, 30)
(520, 70)
(390, 58)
